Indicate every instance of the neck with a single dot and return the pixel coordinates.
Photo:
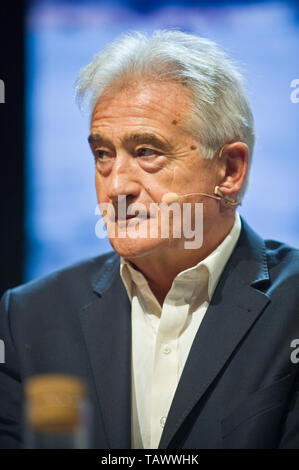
(163, 264)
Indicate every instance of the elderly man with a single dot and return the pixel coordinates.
(181, 346)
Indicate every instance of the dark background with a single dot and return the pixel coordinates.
(12, 143)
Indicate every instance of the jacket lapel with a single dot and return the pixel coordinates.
(106, 324)
(235, 306)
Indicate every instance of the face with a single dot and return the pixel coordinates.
(141, 152)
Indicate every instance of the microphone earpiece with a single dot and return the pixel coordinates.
(227, 199)
(169, 198)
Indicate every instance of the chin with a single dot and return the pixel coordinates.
(136, 247)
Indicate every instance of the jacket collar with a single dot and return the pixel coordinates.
(103, 278)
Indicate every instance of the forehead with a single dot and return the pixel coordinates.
(150, 103)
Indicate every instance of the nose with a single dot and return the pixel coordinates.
(122, 179)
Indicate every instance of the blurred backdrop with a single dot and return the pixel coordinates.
(62, 36)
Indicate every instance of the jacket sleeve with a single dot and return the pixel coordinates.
(10, 383)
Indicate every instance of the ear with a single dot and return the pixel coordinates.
(235, 167)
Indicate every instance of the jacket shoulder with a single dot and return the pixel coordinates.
(282, 255)
(283, 267)
(77, 276)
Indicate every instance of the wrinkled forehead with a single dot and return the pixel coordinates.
(162, 100)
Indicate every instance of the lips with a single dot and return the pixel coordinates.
(128, 217)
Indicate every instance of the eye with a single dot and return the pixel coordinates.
(146, 152)
(101, 155)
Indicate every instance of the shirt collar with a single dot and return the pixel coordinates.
(214, 264)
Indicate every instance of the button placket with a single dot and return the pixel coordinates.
(165, 371)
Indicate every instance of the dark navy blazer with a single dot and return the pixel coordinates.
(239, 387)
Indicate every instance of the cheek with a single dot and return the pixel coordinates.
(100, 188)
(192, 175)
(183, 178)
(156, 185)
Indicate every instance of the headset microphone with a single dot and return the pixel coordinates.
(169, 198)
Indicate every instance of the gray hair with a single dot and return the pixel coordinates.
(220, 111)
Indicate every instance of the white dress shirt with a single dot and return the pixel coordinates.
(162, 336)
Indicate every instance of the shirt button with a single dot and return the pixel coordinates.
(166, 349)
(162, 421)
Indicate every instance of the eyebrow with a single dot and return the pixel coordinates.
(96, 138)
(137, 138)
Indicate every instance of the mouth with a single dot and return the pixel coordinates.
(136, 216)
